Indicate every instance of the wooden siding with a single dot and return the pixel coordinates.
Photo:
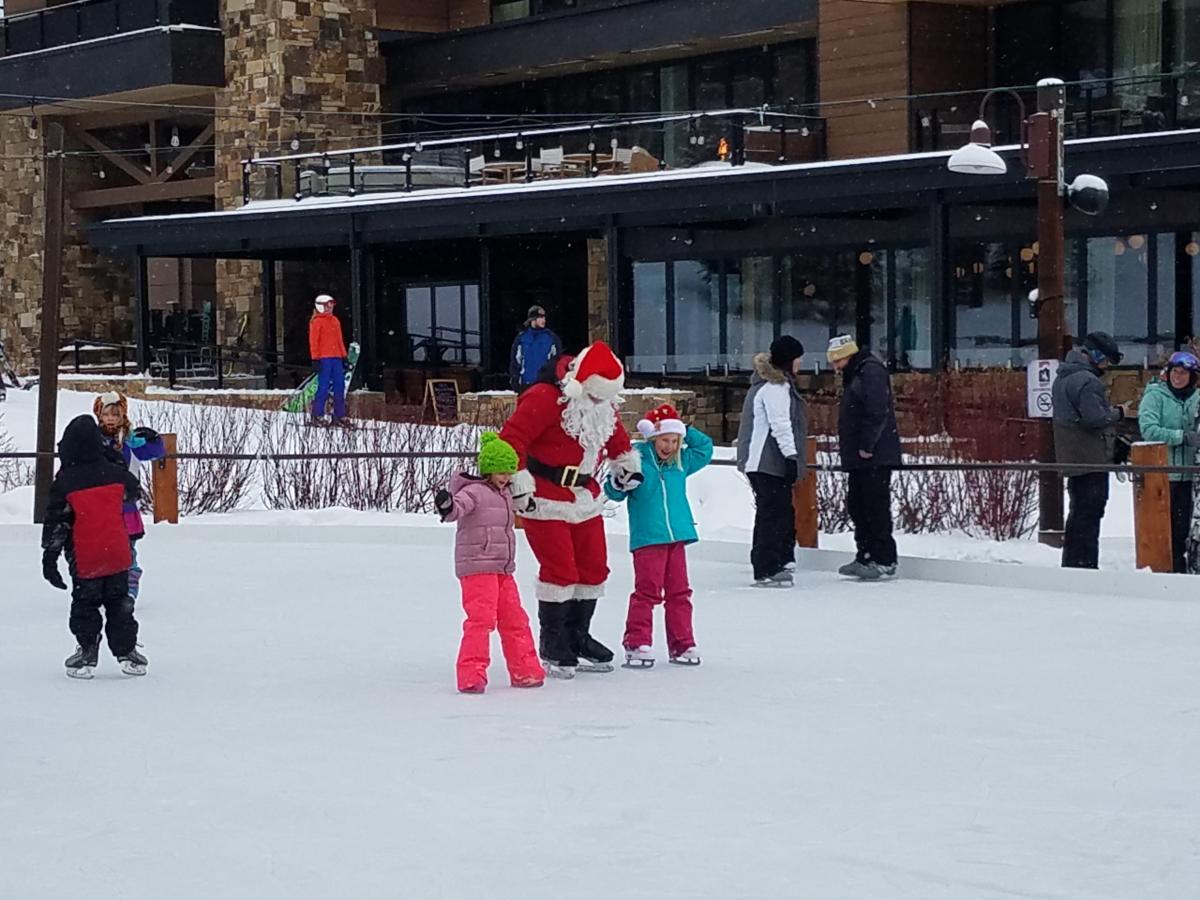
(412, 15)
(469, 13)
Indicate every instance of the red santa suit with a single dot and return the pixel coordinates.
(562, 432)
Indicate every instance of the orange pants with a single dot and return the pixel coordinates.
(492, 601)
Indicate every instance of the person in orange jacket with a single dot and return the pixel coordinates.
(327, 349)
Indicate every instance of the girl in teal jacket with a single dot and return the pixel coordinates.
(1167, 413)
(660, 527)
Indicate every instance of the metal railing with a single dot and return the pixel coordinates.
(521, 155)
(1099, 107)
(86, 20)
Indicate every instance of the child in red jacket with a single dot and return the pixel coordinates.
(84, 518)
(327, 349)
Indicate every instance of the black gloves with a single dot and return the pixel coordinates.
(443, 502)
(1191, 439)
(146, 434)
(793, 469)
(50, 570)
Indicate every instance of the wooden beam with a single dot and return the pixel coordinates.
(144, 193)
(176, 166)
(136, 173)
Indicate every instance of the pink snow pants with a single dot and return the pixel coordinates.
(492, 600)
(660, 576)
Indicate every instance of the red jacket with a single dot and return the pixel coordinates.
(325, 337)
(536, 430)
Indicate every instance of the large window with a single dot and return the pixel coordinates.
(1131, 293)
(442, 321)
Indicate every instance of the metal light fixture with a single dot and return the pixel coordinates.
(977, 156)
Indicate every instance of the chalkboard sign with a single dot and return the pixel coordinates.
(443, 394)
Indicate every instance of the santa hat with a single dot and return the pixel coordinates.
(323, 300)
(662, 420)
(595, 371)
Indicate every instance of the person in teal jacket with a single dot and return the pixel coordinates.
(1168, 413)
(660, 527)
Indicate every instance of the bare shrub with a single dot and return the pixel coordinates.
(925, 501)
(206, 485)
(14, 473)
(833, 514)
(999, 505)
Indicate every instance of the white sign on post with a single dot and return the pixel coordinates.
(1039, 376)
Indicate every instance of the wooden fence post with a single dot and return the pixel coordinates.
(804, 498)
(166, 484)
(1151, 509)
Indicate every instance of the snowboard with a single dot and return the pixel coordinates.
(302, 399)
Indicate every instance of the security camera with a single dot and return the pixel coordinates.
(1088, 194)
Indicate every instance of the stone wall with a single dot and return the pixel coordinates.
(297, 70)
(96, 299)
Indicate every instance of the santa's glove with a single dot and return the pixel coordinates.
(443, 503)
(522, 487)
(523, 504)
(149, 435)
(50, 570)
(627, 481)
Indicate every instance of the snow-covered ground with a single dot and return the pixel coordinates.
(299, 736)
(721, 501)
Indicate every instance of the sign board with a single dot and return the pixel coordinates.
(443, 394)
(1039, 376)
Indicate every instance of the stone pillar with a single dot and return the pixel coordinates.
(599, 327)
(305, 70)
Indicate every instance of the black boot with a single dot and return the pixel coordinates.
(592, 654)
(554, 641)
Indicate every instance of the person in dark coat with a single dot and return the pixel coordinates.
(1085, 432)
(532, 350)
(869, 443)
(771, 453)
(85, 520)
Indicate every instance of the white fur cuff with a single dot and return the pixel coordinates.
(522, 483)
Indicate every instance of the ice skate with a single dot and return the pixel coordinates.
(781, 579)
(880, 572)
(689, 657)
(639, 658)
(594, 656)
(133, 663)
(554, 670)
(82, 662)
(853, 569)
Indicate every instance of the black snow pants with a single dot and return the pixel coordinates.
(869, 502)
(1181, 523)
(774, 541)
(88, 596)
(1088, 496)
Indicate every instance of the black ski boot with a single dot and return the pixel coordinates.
(554, 641)
(593, 655)
(82, 662)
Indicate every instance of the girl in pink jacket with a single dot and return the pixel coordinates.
(485, 553)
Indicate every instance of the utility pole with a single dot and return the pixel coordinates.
(52, 277)
(1046, 165)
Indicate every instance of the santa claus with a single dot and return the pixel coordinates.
(564, 427)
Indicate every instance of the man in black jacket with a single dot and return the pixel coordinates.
(870, 447)
(84, 519)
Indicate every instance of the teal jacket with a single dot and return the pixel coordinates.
(659, 512)
(1164, 417)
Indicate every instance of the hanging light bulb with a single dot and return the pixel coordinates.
(520, 145)
(174, 135)
(295, 145)
(417, 148)
(496, 152)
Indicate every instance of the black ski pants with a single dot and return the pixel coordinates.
(1088, 495)
(1181, 523)
(88, 597)
(774, 541)
(869, 502)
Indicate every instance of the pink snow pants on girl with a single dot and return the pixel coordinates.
(660, 576)
(492, 600)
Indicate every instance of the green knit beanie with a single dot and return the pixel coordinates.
(496, 457)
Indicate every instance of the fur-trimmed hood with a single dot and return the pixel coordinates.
(765, 371)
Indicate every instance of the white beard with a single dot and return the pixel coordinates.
(590, 423)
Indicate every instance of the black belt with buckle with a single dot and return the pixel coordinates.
(564, 476)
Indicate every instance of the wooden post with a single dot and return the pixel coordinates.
(1151, 509)
(166, 484)
(804, 498)
(52, 277)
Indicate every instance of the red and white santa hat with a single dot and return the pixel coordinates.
(595, 371)
(661, 420)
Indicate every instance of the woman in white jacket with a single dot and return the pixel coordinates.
(771, 440)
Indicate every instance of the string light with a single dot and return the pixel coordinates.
(174, 135)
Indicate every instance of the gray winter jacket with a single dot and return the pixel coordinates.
(774, 427)
(1083, 417)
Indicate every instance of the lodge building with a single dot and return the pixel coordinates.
(684, 178)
